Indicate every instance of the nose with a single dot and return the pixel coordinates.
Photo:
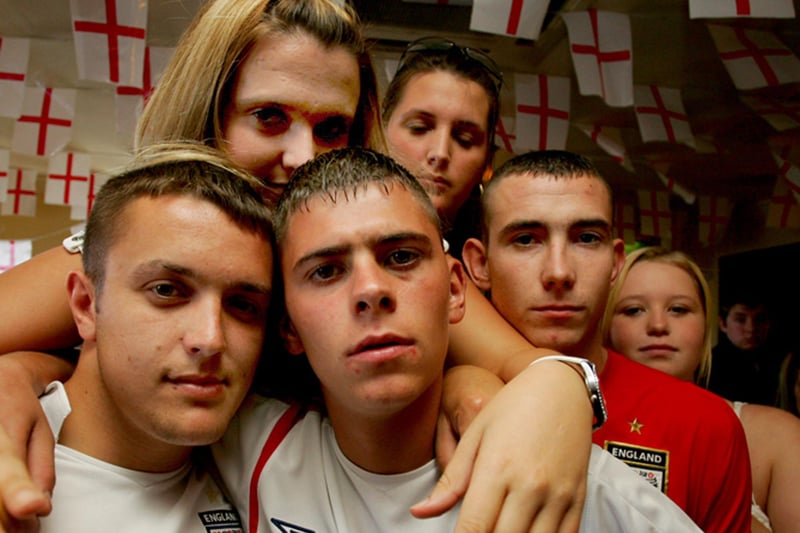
(438, 156)
(557, 273)
(372, 291)
(204, 335)
(657, 323)
(298, 147)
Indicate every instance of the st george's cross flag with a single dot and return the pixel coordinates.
(610, 140)
(81, 210)
(14, 252)
(754, 58)
(699, 9)
(5, 156)
(782, 114)
(783, 210)
(514, 18)
(625, 227)
(109, 40)
(67, 179)
(542, 117)
(14, 55)
(661, 115)
(788, 171)
(713, 219)
(676, 188)
(45, 125)
(654, 214)
(602, 54)
(129, 100)
(505, 133)
(21, 193)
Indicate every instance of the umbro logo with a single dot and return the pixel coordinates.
(286, 527)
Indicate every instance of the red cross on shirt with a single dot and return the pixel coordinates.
(600, 56)
(68, 178)
(543, 110)
(18, 192)
(114, 31)
(667, 115)
(44, 120)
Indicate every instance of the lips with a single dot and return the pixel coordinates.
(433, 184)
(199, 386)
(655, 350)
(380, 348)
(559, 311)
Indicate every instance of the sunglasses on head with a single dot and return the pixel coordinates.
(439, 44)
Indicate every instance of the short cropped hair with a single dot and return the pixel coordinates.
(341, 174)
(175, 169)
(552, 164)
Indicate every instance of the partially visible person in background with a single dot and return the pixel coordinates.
(658, 314)
(789, 385)
(745, 363)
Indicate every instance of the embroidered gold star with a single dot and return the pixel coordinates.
(636, 426)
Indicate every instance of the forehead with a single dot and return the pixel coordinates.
(365, 214)
(293, 68)
(659, 276)
(548, 200)
(447, 94)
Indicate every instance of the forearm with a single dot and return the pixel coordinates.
(37, 315)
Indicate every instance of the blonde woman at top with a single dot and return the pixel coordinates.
(658, 315)
(272, 84)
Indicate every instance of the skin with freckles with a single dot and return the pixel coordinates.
(278, 118)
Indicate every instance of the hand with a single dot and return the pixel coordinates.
(20, 500)
(522, 463)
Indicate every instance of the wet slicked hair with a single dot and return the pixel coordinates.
(341, 174)
(174, 169)
(551, 164)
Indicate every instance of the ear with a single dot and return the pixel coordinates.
(619, 258)
(722, 325)
(474, 256)
(291, 340)
(458, 290)
(82, 303)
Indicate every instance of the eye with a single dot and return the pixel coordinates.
(524, 239)
(418, 127)
(402, 258)
(632, 311)
(679, 309)
(247, 308)
(333, 131)
(272, 120)
(167, 291)
(467, 139)
(326, 272)
(589, 237)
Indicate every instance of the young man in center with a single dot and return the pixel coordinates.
(547, 258)
(369, 294)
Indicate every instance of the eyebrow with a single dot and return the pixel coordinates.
(155, 266)
(537, 224)
(382, 240)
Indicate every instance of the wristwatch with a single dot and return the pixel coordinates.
(590, 379)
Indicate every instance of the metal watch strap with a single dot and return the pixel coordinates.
(591, 380)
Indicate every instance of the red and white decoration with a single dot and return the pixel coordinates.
(45, 125)
(700, 9)
(661, 116)
(21, 193)
(14, 55)
(754, 58)
(654, 214)
(542, 118)
(789, 172)
(4, 160)
(625, 222)
(130, 100)
(110, 40)
(781, 114)
(67, 179)
(515, 18)
(505, 134)
(714, 217)
(602, 54)
(14, 252)
(676, 188)
(610, 140)
(783, 211)
(81, 210)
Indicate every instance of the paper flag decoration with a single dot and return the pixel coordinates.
(654, 213)
(661, 116)
(674, 187)
(625, 222)
(714, 217)
(109, 39)
(4, 160)
(21, 194)
(600, 45)
(781, 115)
(789, 172)
(699, 9)
(754, 58)
(505, 134)
(81, 210)
(67, 179)
(129, 100)
(542, 118)
(610, 140)
(515, 18)
(45, 125)
(14, 55)
(783, 210)
(14, 252)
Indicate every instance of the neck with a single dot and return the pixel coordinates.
(98, 427)
(389, 442)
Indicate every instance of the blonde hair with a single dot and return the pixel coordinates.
(189, 101)
(685, 263)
